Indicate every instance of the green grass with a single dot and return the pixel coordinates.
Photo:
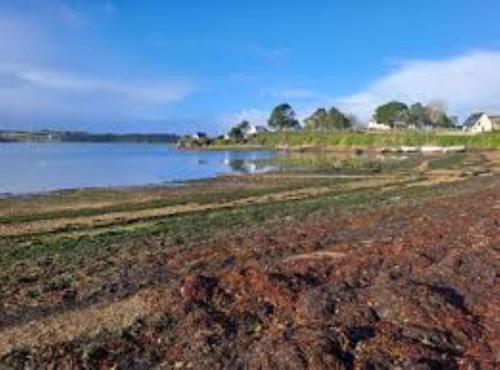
(375, 140)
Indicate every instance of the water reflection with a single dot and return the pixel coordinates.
(250, 166)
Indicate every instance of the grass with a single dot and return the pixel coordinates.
(375, 139)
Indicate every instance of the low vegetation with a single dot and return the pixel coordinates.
(376, 140)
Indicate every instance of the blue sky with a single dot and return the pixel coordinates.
(163, 66)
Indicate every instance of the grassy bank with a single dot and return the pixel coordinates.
(372, 140)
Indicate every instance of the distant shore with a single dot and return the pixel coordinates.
(48, 136)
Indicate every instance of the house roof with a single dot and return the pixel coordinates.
(473, 118)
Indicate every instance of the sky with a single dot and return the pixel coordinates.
(184, 66)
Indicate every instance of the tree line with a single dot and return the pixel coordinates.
(397, 113)
(393, 114)
(83, 137)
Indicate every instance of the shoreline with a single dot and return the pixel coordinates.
(183, 183)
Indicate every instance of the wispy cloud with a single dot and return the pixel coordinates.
(61, 95)
(51, 80)
(293, 94)
(70, 16)
(466, 83)
(277, 54)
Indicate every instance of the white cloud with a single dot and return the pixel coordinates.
(466, 83)
(49, 80)
(33, 93)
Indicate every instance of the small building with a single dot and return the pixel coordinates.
(199, 136)
(253, 130)
(401, 125)
(482, 122)
(374, 125)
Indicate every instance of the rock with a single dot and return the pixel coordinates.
(455, 149)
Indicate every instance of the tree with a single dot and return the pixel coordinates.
(417, 115)
(239, 131)
(391, 113)
(338, 119)
(283, 118)
(323, 120)
(436, 114)
(353, 120)
(317, 121)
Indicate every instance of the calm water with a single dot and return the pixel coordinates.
(28, 168)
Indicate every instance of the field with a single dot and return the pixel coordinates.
(336, 262)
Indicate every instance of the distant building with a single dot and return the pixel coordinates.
(482, 122)
(400, 125)
(253, 130)
(374, 125)
(199, 136)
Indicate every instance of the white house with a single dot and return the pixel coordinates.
(199, 136)
(253, 130)
(482, 122)
(374, 125)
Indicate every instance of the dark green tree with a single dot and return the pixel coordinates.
(238, 132)
(283, 118)
(318, 120)
(323, 120)
(391, 113)
(338, 119)
(417, 115)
